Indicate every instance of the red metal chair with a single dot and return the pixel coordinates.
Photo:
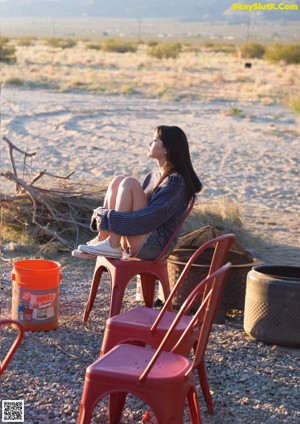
(145, 325)
(15, 344)
(123, 270)
(164, 380)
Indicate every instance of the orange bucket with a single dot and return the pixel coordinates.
(35, 294)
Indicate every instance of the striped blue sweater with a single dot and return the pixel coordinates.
(166, 206)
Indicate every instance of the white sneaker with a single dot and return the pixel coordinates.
(102, 248)
(81, 255)
(92, 242)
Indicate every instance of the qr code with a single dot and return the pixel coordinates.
(13, 411)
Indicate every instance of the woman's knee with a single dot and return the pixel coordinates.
(112, 192)
(130, 182)
(115, 183)
(130, 188)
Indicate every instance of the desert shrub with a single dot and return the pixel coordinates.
(164, 50)
(288, 53)
(93, 46)
(217, 47)
(294, 104)
(63, 43)
(252, 50)
(235, 111)
(118, 45)
(7, 52)
(26, 41)
(152, 43)
(14, 81)
(43, 83)
(4, 39)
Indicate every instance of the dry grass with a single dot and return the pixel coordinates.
(200, 74)
(222, 214)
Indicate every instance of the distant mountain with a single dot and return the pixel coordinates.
(190, 10)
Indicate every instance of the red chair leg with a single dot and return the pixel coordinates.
(93, 292)
(193, 406)
(116, 297)
(166, 287)
(148, 288)
(205, 387)
(164, 409)
(88, 402)
(116, 406)
(14, 346)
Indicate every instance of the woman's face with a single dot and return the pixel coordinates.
(156, 149)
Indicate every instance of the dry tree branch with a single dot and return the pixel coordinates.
(54, 234)
(30, 190)
(36, 177)
(62, 209)
(11, 148)
(40, 174)
(11, 198)
(35, 196)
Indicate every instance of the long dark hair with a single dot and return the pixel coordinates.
(178, 157)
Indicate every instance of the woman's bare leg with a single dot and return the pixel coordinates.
(130, 197)
(110, 201)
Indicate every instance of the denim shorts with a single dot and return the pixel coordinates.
(151, 247)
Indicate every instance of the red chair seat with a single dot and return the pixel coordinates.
(132, 359)
(119, 329)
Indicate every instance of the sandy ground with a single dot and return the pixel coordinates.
(253, 160)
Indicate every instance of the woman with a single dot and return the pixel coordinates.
(140, 219)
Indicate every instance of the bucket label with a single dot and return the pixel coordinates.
(37, 306)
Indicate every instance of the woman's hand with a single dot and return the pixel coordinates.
(96, 220)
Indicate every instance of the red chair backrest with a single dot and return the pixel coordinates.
(15, 344)
(186, 214)
(211, 292)
(210, 289)
(221, 246)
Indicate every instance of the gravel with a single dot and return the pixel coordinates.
(251, 382)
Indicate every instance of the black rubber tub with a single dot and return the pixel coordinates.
(233, 296)
(272, 304)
